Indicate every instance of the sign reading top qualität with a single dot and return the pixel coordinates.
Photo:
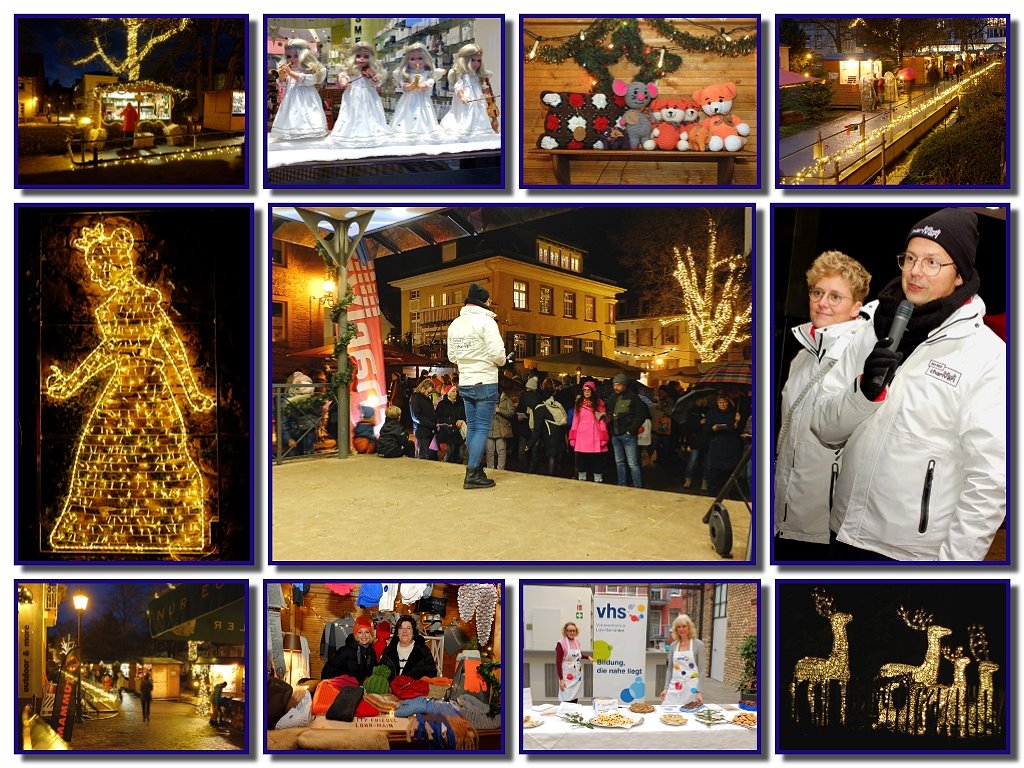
(620, 647)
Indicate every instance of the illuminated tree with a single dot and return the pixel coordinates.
(134, 485)
(716, 296)
(142, 36)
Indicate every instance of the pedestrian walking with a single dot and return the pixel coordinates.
(146, 695)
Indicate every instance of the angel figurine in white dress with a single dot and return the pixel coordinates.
(301, 114)
(361, 119)
(468, 118)
(414, 120)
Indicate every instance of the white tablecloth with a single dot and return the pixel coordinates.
(651, 734)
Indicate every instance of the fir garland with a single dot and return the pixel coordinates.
(486, 671)
(605, 41)
(340, 378)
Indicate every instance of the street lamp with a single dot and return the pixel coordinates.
(81, 601)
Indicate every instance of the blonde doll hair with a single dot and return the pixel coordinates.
(461, 66)
(350, 62)
(403, 75)
(308, 61)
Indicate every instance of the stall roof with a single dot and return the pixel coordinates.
(394, 230)
(191, 611)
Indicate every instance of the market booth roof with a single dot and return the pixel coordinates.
(395, 230)
(210, 612)
(788, 78)
(586, 362)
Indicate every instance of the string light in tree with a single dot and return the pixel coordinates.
(716, 298)
(142, 35)
(134, 485)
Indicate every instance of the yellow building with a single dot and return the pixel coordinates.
(545, 304)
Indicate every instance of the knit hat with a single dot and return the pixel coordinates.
(620, 378)
(362, 623)
(588, 382)
(477, 295)
(531, 383)
(956, 230)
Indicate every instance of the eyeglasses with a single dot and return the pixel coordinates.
(834, 299)
(929, 266)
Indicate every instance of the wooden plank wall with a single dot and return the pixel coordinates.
(321, 605)
(697, 71)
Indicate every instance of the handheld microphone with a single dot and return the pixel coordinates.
(899, 325)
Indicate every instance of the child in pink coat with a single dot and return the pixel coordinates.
(589, 433)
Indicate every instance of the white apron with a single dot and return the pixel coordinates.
(572, 673)
(683, 685)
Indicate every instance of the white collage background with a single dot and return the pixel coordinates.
(511, 574)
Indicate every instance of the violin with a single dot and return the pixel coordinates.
(490, 102)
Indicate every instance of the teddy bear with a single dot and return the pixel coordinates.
(726, 130)
(634, 122)
(669, 113)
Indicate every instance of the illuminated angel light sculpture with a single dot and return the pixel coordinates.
(818, 672)
(916, 679)
(134, 485)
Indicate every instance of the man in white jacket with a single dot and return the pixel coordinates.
(924, 425)
(475, 346)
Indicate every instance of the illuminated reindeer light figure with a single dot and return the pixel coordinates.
(981, 712)
(952, 699)
(819, 673)
(915, 679)
(134, 486)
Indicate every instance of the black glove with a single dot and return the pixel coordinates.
(879, 369)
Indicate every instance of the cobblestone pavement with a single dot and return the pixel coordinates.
(172, 725)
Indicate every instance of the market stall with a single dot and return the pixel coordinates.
(579, 728)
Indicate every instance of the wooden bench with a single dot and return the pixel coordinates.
(726, 161)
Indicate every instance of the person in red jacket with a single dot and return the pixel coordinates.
(130, 116)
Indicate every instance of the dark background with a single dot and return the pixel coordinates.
(200, 258)
(876, 636)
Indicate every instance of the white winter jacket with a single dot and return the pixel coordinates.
(475, 345)
(924, 470)
(806, 470)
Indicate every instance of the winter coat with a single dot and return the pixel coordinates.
(422, 408)
(448, 413)
(588, 433)
(725, 447)
(924, 468)
(547, 437)
(630, 421)
(504, 416)
(529, 400)
(806, 470)
(348, 660)
(420, 664)
(392, 439)
(475, 345)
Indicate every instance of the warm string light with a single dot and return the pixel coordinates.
(134, 486)
(718, 311)
(819, 672)
(981, 713)
(188, 154)
(141, 36)
(915, 678)
(815, 172)
(647, 354)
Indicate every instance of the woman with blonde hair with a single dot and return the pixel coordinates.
(468, 116)
(569, 659)
(805, 469)
(361, 120)
(685, 664)
(301, 114)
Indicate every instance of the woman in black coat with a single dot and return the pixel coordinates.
(423, 418)
(356, 657)
(407, 653)
(451, 415)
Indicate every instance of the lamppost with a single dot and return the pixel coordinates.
(81, 601)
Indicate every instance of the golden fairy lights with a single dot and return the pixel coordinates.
(815, 172)
(142, 35)
(134, 485)
(819, 672)
(716, 302)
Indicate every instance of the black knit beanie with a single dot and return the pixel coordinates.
(477, 295)
(956, 230)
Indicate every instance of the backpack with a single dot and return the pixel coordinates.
(557, 410)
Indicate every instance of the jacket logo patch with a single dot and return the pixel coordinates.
(943, 373)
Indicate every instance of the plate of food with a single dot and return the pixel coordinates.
(693, 706)
(710, 717)
(641, 707)
(670, 718)
(614, 720)
(530, 721)
(745, 720)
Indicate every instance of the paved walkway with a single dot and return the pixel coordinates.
(172, 726)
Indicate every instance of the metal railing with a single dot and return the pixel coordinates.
(300, 421)
(82, 151)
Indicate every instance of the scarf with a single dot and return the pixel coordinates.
(926, 318)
